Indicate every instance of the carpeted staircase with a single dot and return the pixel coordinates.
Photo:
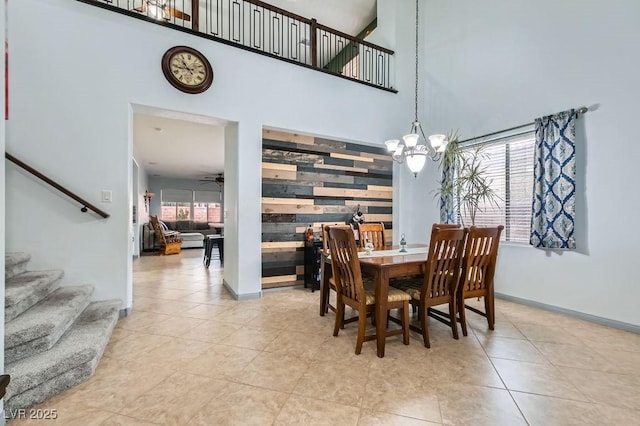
(54, 336)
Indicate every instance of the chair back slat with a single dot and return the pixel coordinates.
(155, 223)
(326, 237)
(443, 263)
(374, 232)
(481, 251)
(346, 266)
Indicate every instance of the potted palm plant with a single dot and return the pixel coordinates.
(464, 184)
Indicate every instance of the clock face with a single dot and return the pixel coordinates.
(187, 69)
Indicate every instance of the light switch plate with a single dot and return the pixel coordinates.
(106, 195)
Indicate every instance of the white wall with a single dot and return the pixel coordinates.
(492, 65)
(75, 71)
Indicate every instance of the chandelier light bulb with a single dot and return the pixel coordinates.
(437, 141)
(416, 163)
(392, 145)
(411, 140)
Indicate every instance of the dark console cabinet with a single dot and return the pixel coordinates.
(312, 255)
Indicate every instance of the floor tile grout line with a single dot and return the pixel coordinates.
(501, 379)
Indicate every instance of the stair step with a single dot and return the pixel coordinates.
(39, 328)
(69, 362)
(15, 264)
(25, 290)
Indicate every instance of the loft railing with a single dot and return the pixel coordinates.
(269, 30)
(85, 204)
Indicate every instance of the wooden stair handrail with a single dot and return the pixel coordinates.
(313, 41)
(85, 204)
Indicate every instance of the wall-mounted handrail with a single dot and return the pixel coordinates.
(85, 205)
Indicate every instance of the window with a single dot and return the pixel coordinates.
(185, 204)
(508, 163)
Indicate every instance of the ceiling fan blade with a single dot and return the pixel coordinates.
(178, 14)
(171, 11)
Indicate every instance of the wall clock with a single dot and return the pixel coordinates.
(187, 69)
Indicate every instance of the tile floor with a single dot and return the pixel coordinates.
(191, 355)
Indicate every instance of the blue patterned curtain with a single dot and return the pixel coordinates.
(554, 189)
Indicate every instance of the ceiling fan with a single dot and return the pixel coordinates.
(219, 179)
(161, 9)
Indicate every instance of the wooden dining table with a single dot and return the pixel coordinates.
(381, 266)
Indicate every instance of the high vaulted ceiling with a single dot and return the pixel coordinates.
(348, 16)
(174, 145)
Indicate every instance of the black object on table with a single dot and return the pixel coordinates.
(209, 242)
(312, 252)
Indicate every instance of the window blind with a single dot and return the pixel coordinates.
(207, 197)
(176, 195)
(508, 164)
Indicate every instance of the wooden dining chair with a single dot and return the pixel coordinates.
(325, 293)
(446, 226)
(414, 307)
(478, 270)
(373, 232)
(352, 291)
(440, 281)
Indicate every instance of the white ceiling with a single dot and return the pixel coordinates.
(182, 148)
(175, 145)
(348, 16)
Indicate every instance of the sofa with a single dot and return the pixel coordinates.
(192, 233)
(189, 226)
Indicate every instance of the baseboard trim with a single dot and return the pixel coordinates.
(289, 287)
(580, 315)
(124, 313)
(236, 296)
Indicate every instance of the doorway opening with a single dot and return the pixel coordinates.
(178, 165)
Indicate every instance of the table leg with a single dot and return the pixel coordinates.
(325, 271)
(207, 252)
(382, 296)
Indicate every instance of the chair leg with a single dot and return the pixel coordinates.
(405, 323)
(452, 318)
(362, 326)
(339, 318)
(424, 323)
(463, 317)
(489, 309)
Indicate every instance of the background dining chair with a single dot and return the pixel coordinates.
(478, 270)
(373, 232)
(446, 226)
(351, 290)
(440, 281)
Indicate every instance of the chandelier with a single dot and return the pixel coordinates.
(410, 148)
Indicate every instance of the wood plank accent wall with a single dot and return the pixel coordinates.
(314, 181)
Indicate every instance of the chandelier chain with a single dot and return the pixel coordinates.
(416, 88)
